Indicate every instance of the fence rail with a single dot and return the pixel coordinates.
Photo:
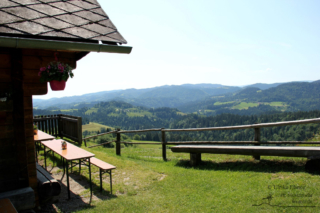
(255, 142)
(60, 125)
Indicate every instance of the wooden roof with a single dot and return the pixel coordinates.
(57, 19)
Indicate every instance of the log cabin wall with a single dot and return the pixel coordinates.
(19, 80)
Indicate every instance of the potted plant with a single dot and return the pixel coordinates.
(57, 74)
(64, 145)
(35, 129)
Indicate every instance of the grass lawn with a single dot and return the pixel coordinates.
(91, 110)
(143, 182)
(93, 127)
(223, 103)
(244, 105)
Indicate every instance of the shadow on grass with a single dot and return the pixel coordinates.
(269, 166)
(76, 202)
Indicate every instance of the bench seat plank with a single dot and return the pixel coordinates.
(101, 164)
(285, 151)
(104, 168)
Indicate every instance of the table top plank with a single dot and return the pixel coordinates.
(42, 136)
(71, 153)
(6, 206)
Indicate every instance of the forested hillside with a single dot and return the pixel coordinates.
(293, 96)
(128, 117)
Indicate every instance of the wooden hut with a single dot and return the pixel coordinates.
(31, 32)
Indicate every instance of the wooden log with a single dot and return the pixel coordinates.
(118, 145)
(155, 143)
(136, 131)
(106, 133)
(35, 89)
(19, 114)
(31, 76)
(240, 142)
(48, 53)
(47, 185)
(257, 138)
(6, 118)
(5, 75)
(6, 106)
(285, 151)
(35, 62)
(101, 144)
(195, 159)
(5, 62)
(164, 145)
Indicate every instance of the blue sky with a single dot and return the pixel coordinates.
(229, 42)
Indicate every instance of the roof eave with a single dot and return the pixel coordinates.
(16, 42)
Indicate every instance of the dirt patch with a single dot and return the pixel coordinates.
(79, 192)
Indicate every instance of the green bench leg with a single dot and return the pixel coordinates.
(100, 180)
(110, 174)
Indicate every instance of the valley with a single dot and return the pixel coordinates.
(284, 102)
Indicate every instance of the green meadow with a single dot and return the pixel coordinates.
(93, 127)
(245, 105)
(143, 182)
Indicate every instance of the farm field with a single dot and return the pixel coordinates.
(91, 110)
(93, 127)
(143, 182)
(244, 105)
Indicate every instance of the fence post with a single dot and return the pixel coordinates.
(79, 130)
(118, 144)
(164, 145)
(257, 138)
(51, 125)
(60, 126)
(42, 123)
(56, 120)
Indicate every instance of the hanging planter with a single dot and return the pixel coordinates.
(56, 73)
(57, 85)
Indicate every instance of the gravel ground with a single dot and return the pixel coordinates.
(79, 193)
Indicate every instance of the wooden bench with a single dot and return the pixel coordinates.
(103, 168)
(195, 151)
(47, 185)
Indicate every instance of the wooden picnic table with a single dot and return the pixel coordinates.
(70, 154)
(41, 136)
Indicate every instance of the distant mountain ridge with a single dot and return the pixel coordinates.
(164, 96)
(294, 96)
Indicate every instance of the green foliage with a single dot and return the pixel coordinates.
(283, 133)
(293, 96)
(55, 71)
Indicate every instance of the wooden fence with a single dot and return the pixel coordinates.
(164, 142)
(60, 125)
